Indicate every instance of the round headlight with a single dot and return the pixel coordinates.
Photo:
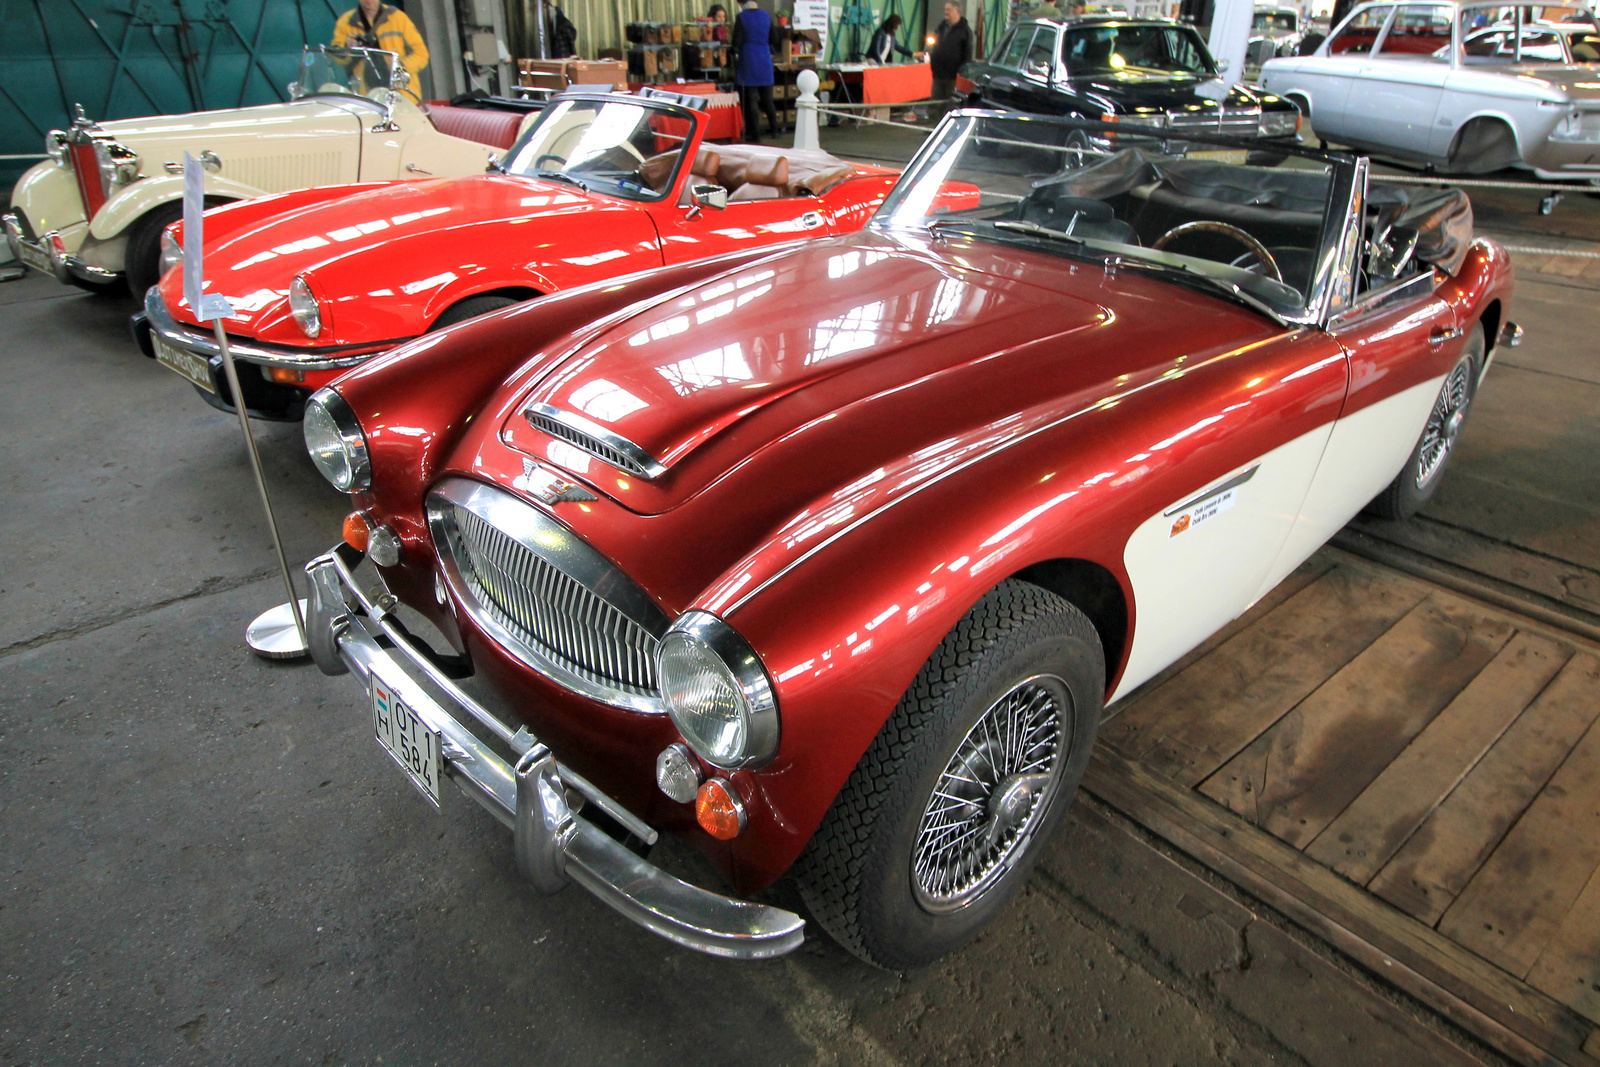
(304, 307)
(717, 692)
(55, 145)
(171, 251)
(336, 443)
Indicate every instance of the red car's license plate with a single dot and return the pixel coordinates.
(408, 739)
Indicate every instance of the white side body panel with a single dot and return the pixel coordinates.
(1365, 453)
(1190, 578)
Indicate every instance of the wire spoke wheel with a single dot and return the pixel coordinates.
(992, 795)
(1444, 424)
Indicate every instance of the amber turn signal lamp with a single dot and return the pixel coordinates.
(356, 530)
(719, 810)
(286, 375)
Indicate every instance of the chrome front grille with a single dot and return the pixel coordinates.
(546, 596)
(595, 440)
(1232, 123)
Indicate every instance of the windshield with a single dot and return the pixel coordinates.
(348, 71)
(1273, 22)
(1202, 222)
(1136, 51)
(625, 149)
(1549, 35)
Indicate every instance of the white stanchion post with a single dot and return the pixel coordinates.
(277, 633)
(806, 132)
(1230, 37)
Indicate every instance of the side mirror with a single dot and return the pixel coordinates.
(1388, 255)
(708, 195)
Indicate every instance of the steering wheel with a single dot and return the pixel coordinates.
(561, 161)
(1224, 229)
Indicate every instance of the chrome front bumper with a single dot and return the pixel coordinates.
(49, 255)
(204, 345)
(535, 796)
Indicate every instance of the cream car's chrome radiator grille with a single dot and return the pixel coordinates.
(546, 596)
(595, 440)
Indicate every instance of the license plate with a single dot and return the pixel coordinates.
(191, 366)
(35, 257)
(1221, 155)
(408, 739)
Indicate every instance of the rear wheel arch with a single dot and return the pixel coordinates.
(1492, 138)
(1491, 326)
(1093, 590)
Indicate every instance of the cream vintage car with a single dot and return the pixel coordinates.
(95, 209)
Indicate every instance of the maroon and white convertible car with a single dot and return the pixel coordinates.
(829, 559)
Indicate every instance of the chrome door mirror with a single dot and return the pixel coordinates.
(708, 195)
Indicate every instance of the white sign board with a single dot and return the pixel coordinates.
(813, 15)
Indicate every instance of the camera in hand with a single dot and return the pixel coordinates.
(365, 40)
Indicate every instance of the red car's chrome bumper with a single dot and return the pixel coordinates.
(350, 630)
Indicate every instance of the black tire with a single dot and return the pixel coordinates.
(471, 308)
(1416, 483)
(856, 875)
(142, 266)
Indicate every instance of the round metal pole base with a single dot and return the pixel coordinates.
(273, 634)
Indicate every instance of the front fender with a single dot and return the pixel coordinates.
(47, 195)
(132, 202)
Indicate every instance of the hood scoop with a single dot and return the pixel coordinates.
(599, 442)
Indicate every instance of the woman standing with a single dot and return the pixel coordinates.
(883, 45)
(755, 42)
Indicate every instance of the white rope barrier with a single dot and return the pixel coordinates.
(868, 118)
(1543, 187)
(1571, 253)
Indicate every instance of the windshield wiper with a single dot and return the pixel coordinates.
(1186, 272)
(1033, 229)
(560, 176)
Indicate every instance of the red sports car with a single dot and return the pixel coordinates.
(828, 559)
(602, 185)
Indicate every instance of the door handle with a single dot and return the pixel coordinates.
(414, 169)
(1440, 335)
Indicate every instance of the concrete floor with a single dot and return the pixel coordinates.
(205, 859)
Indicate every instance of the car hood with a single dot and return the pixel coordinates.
(210, 129)
(377, 258)
(703, 381)
(1178, 93)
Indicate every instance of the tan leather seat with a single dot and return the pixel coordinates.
(657, 170)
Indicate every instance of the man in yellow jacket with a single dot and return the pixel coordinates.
(374, 24)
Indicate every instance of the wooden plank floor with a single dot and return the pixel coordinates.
(1438, 756)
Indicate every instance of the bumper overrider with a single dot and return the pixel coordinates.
(49, 255)
(350, 630)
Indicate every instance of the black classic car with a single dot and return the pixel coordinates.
(1147, 73)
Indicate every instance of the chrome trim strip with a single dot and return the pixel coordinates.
(553, 843)
(563, 550)
(1206, 494)
(175, 334)
(639, 461)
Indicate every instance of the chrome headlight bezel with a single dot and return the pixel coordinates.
(337, 444)
(1279, 123)
(718, 649)
(119, 165)
(55, 146)
(304, 307)
(171, 252)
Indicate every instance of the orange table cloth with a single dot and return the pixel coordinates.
(899, 83)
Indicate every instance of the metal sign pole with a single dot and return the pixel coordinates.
(278, 633)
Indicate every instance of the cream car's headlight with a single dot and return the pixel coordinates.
(171, 251)
(717, 692)
(336, 442)
(304, 307)
(55, 145)
(1279, 123)
(119, 165)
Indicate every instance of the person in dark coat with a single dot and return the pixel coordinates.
(952, 47)
(755, 41)
(883, 45)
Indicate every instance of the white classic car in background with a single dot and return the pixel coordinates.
(97, 207)
(1467, 87)
(1274, 31)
